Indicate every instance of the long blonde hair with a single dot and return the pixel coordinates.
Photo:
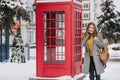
(95, 33)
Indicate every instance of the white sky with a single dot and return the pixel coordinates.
(117, 3)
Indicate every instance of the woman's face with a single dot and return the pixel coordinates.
(91, 29)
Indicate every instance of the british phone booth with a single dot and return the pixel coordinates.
(59, 32)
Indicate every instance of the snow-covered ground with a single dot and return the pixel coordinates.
(24, 71)
(114, 54)
(111, 72)
(15, 71)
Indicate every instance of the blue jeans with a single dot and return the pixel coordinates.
(92, 70)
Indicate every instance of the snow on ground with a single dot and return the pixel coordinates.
(15, 71)
(114, 53)
(24, 71)
(111, 72)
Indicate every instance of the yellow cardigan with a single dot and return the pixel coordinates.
(89, 42)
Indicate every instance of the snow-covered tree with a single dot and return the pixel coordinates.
(17, 53)
(109, 21)
(10, 12)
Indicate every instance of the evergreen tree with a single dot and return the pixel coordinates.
(17, 54)
(10, 12)
(108, 21)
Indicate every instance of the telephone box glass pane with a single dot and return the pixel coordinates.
(53, 14)
(53, 23)
(77, 36)
(46, 15)
(48, 23)
(54, 37)
(61, 24)
(61, 15)
(60, 32)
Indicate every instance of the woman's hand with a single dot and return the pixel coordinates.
(95, 38)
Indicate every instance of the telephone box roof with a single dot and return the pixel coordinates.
(48, 1)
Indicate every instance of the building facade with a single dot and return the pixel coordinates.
(91, 10)
(31, 29)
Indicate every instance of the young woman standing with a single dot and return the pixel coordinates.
(91, 41)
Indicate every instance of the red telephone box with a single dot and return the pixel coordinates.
(59, 33)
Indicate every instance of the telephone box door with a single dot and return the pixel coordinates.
(53, 40)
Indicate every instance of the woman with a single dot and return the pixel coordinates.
(91, 41)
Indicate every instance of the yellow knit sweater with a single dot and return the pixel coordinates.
(89, 42)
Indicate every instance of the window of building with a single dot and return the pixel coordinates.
(31, 36)
(84, 25)
(86, 15)
(86, 5)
